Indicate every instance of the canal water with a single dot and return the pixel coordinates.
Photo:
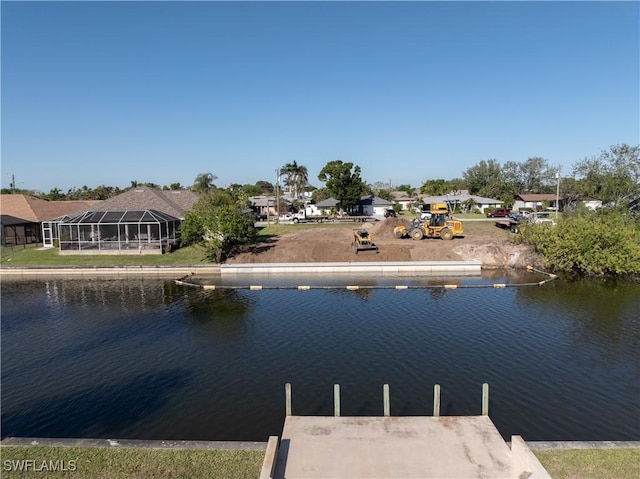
(145, 358)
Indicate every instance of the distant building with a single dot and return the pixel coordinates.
(536, 201)
(458, 200)
(368, 205)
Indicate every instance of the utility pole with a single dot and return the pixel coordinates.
(557, 193)
(12, 185)
(278, 193)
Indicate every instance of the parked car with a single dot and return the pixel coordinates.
(390, 213)
(541, 217)
(501, 213)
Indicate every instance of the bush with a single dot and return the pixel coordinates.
(604, 243)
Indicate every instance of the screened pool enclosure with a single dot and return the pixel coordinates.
(118, 232)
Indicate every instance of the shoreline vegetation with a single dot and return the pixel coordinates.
(134, 463)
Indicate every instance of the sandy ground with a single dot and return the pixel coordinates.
(334, 244)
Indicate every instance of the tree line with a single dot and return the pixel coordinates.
(612, 176)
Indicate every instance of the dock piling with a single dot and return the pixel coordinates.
(436, 400)
(287, 397)
(385, 400)
(336, 400)
(485, 399)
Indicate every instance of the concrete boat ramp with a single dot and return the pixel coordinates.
(452, 447)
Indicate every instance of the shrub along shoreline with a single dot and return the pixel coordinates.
(602, 243)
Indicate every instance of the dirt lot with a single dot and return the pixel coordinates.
(482, 241)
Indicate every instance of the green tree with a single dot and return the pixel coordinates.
(252, 190)
(613, 176)
(385, 194)
(408, 189)
(485, 179)
(266, 188)
(204, 182)
(55, 195)
(320, 194)
(296, 179)
(435, 187)
(219, 223)
(344, 185)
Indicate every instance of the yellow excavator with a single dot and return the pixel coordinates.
(362, 241)
(438, 225)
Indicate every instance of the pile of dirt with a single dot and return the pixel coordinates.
(335, 244)
(384, 230)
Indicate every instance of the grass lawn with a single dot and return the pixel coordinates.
(131, 463)
(591, 463)
(33, 255)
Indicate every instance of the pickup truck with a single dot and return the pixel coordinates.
(300, 217)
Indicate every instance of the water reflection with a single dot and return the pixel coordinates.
(100, 412)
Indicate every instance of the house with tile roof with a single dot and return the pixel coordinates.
(21, 216)
(171, 202)
(142, 220)
(536, 201)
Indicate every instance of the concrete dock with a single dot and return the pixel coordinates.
(397, 447)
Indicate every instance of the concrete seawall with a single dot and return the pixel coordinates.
(472, 267)
(84, 271)
(260, 446)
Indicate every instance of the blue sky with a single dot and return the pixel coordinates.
(109, 92)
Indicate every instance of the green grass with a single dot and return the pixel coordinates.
(130, 463)
(32, 255)
(591, 463)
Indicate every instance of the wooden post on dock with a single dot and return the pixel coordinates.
(336, 400)
(436, 400)
(287, 397)
(385, 400)
(485, 399)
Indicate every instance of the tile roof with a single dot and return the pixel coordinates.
(172, 202)
(537, 197)
(35, 210)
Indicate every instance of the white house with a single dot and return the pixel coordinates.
(459, 199)
(536, 201)
(405, 200)
(369, 205)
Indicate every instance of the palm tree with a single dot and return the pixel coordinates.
(297, 177)
(204, 182)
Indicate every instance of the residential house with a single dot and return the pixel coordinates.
(456, 201)
(142, 220)
(408, 202)
(22, 216)
(368, 205)
(537, 201)
(265, 206)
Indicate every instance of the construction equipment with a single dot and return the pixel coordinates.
(437, 226)
(362, 241)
